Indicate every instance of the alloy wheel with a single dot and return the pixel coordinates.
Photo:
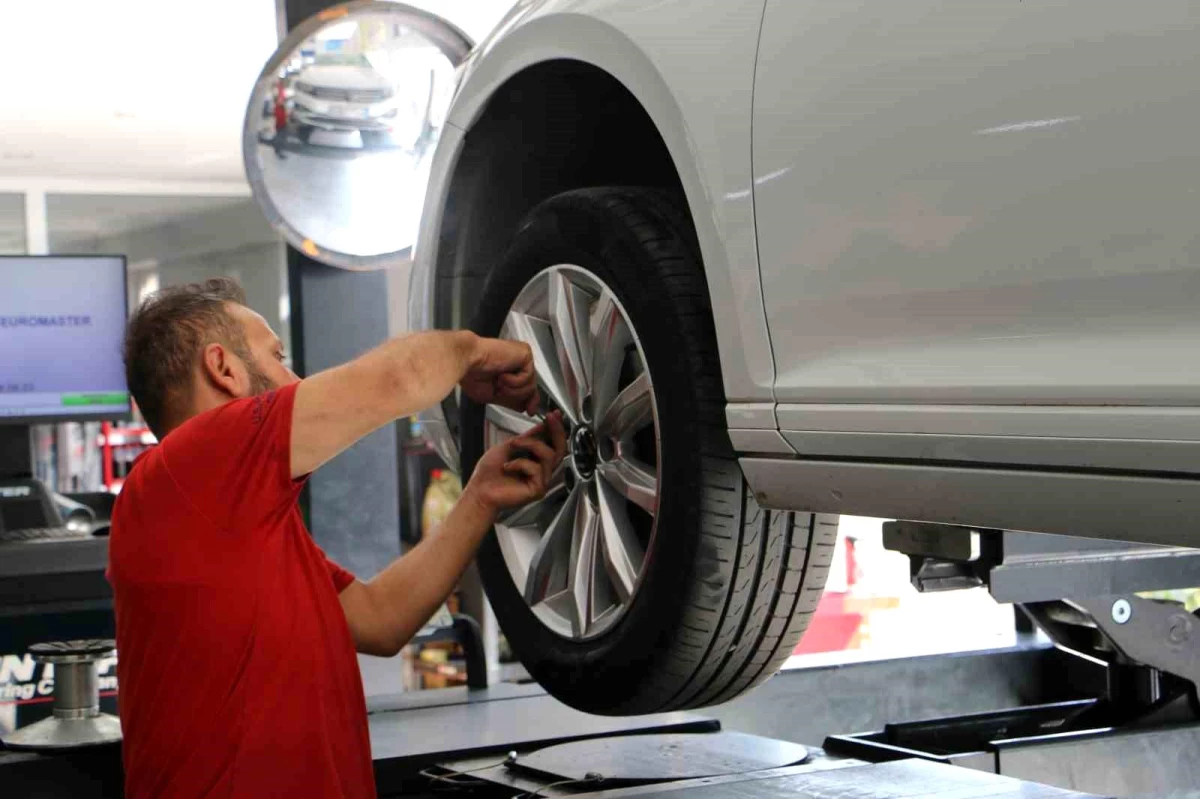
(577, 556)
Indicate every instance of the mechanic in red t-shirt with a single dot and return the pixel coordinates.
(236, 635)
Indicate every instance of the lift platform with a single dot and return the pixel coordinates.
(1116, 611)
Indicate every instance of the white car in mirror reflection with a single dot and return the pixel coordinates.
(344, 93)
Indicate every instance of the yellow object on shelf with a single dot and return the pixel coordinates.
(434, 655)
(444, 490)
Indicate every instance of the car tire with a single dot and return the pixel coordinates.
(726, 588)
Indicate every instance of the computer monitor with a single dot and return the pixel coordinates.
(62, 320)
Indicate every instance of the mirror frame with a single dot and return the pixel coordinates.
(448, 38)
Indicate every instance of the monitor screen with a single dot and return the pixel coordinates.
(62, 319)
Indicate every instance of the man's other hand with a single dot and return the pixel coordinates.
(520, 470)
(386, 613)
(501, 373)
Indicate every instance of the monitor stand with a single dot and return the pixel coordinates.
(16, 452)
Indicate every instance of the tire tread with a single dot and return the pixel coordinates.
(763, 616)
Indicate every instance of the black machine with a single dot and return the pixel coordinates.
(46, 565)
(27, 513)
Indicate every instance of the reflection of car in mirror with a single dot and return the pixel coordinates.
(341, 126)
(344, 92)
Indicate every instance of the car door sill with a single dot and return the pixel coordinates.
(1156, 509)
(1141, 422)
(1124, 455)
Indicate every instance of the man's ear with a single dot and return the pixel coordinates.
(223, 371)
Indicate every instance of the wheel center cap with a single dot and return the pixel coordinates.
(584, 452)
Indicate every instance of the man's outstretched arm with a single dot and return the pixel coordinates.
(385, 613)
(337, 407)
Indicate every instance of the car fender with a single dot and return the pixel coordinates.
(702, 114)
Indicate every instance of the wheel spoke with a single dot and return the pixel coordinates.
(558, 477)
(604, 597)
(583, 564)
(561, 605)
(630, 411)
(538, 335)
(622, 552)
(633, 480)
(569, 306)
(507, 422)
(610, 338)
(602, 618)
(519, 532)
(548, 567)
(536, 513)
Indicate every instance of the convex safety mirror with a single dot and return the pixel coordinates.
(342, 125)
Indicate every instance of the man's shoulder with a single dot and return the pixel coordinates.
(244, 413)
(146, 494)
(147, 460)
(146, 470)
(211, 432)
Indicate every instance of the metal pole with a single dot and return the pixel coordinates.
(37, 236)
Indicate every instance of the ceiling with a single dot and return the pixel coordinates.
(129, 89)
(144, 89)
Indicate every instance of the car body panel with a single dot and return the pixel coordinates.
(421, 305)
(966, 204)
(979, 257)
(1150, 509)
(702, 114)
(760, 442)
(338, 120)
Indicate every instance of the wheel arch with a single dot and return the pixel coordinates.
(581, 126)
(474, 225)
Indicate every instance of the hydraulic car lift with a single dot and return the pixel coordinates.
(1141, 654)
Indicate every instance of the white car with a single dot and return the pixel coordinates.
(343, 93)
(780, 260)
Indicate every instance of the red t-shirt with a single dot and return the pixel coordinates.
(237, 669)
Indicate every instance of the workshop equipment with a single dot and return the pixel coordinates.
(1134, 654)
(77, 720)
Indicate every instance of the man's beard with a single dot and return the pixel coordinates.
(259, 382)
